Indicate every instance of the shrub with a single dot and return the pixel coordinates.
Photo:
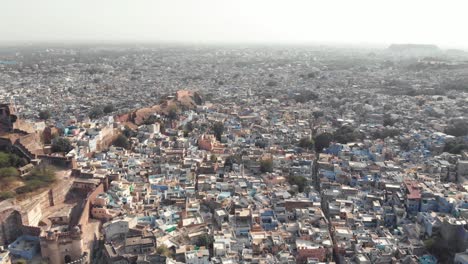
(10, 160)
(122, 141)
(43, 174)
(6, 195)
(8, 172)
(266, 165)
(39, 178)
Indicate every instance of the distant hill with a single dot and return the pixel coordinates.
(182, 100)
(414, 49)
(456, 52)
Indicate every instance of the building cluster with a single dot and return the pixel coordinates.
(240, 176)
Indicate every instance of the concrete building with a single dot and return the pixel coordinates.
(200, 256)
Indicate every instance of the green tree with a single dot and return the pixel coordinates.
(11, 160)
(272, 83)
(317, 114)
(230, 160)
(346, 134)
(16, 161)
(388, 120)
(205, 241)
(322, 141)
(458, 128)
(151, 120)
(455, 146)
(218, 129)
(39, 177)
(7, 160)
(128, 132)
(44, 114)
(312, 75)
(43, 174)
(8, 172)
(4, 160)
(189, 126)
(6, 195)
(61, 144)
(173, 113)
(122, 141)
(387, 132)
(266, 165)
(96, 112)
(213, 158)
(109, 108)
(163, 250)
(306, 143)
(162, 127)
(300, 181)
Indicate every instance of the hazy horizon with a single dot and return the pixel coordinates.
(295, 22)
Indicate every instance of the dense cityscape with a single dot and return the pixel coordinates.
(233, 154)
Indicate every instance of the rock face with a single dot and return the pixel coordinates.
(182, 100)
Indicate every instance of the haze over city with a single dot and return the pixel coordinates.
(220, 21)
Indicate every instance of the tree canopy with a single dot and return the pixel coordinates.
(6, 195)
(44, 114)
(322, 141)
(346, 134)
(266, 165)
(218, 129)
(230, 160)
(388, 120)
(96, 112)
(61, 144)
(11, 160)
(122, 141)
(456, 145)
(305, 96)
(384, 133)
(306, 143)
(205, 241)
(8, 172)
(109, 108)
(40, 177)
(300, 181)
(173, 113)
(458, 128)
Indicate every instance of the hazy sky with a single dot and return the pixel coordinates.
(442, 22)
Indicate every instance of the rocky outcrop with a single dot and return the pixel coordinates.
(182, 100)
